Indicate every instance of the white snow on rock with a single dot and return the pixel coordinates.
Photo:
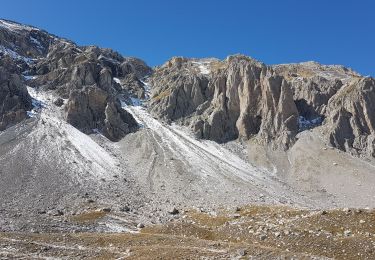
(307, 124)
(117, 80)
(147, 87)
(37, 43)
(14, 55)
(16, 26)
(203, 66)
(27, 77)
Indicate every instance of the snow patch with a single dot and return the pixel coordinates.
(136, 101)
(147, 87)
(305, 124)
(36, 101)
(14, 55)
(203, 67)
(27, 77)
(37, 43)
(16, 26)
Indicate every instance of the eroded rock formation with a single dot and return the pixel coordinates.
(221, 101)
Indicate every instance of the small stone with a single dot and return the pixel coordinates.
(58, 102)
(277, 234)
(125, 209)
(324, 212)
(35, 231)
(262, 237)
(242, 252)
(335, 164)
(347, 233)
(362, 221)
(90, 201)
(173, 211)
(236, 215)
(55, 212)
(140, 225)
(106, 210)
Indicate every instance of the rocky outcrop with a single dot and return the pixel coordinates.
(14, 98)
(118, 122)
(221, 101)
(242, 98)
(339, 95)
(350, 122)
(178, 90)
(314, 84)
(24, 41)
(93, 108)
(91, 78)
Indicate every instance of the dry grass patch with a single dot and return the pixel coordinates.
(88, 217)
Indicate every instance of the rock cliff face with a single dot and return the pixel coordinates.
(350, 123)
(221, 101)
(86, 77)
(14, 98)
(339, 95)
(314, 84)
(242, 98)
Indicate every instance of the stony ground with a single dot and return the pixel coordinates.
(254, 232)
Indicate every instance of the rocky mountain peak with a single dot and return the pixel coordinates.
(84, 76)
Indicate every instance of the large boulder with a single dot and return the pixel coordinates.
(118, 122)
(85, 108)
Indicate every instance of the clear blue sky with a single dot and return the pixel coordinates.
(278, 31)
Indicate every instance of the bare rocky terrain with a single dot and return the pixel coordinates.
(104, 157)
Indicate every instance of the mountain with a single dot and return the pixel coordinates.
(240, 97)
(92, 141)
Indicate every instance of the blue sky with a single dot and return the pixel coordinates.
(329, 31)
